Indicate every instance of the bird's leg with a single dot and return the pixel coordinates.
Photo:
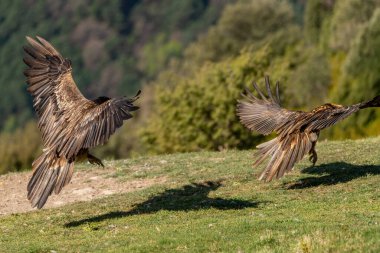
(313, 154)
(94, 160)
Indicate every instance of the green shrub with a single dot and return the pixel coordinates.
(316, 20)
(360, 81)
(115, 46)
(309, 82)
(20, 148)
(243, 23)
(348, 19)
(198, 111)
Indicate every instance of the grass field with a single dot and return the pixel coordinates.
(212, 202)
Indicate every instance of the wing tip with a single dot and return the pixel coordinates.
(28, 38)
(43, 41)
(39, 38)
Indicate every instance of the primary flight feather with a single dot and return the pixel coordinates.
(69, 123)
(297, 131)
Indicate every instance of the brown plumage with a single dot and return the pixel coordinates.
(70, 124)
(297, 131)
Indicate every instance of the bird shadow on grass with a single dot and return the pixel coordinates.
(189, 197)
(333, 173)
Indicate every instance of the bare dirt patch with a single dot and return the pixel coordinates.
(85, 185)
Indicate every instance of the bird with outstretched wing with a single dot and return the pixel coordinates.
(69, 123)
(297, 131)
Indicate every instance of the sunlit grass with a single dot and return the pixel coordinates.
(212, 202)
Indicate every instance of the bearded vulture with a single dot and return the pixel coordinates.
(69, 123)
(297, 131)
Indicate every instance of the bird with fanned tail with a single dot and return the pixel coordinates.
(297, 131)
(69, 123)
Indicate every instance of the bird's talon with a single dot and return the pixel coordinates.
(95, 161)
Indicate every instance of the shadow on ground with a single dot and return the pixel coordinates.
(333, 173)
(189, 197)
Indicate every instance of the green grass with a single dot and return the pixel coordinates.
(212, 202)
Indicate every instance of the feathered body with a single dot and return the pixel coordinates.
(69, 123)
(297, 131)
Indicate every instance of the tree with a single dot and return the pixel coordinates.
(241, 24)
(361, 81)
(197, 112)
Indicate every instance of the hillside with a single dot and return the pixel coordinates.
(191, 59)
(212, 202)
(114, 47)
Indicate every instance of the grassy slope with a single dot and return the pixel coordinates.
(212, 202)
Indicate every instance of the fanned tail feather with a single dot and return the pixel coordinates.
(50, 173)
(283, 153)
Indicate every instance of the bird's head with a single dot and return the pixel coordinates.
(376, 101)
(101, 100)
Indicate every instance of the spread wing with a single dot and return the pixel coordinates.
(297, 131)
(54, 168)
(68, 121)
(263, 115)
(51, 84)
(329, 115)
(96, 125)
(318, 119)
(296, 139)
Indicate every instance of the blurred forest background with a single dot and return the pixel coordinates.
(191, 59)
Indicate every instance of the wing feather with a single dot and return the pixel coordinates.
(297, 131)
(278, 93)
(96, 126)
(330, 116)
(263, 115)
(68, 121)
(50, 83)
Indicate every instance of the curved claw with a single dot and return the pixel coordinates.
(313, 157)
(94, 160)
